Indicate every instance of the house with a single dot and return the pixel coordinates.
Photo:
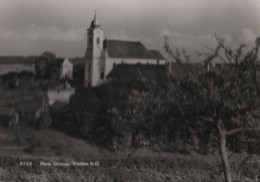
(8, 116)
(31, 110)
(62, 69)
(103, 55)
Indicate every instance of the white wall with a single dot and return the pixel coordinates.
(94, 56)
(60, 95)
(98, 67)
(66, 69)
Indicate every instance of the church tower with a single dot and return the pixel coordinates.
(95, 62)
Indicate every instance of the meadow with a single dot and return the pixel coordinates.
(135, 165)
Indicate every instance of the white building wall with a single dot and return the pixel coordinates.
(98, 56)
(95, 63)
(60, 95)
(66, 69)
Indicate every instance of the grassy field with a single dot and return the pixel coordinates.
(133, 165)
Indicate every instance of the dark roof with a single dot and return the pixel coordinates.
(156, 54)
(58, 61)
(127, 49)
(94, 23)
(32, 105)
(122, 69)
(6, 110)
(78, 60)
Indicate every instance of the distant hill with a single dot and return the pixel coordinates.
(17, 59)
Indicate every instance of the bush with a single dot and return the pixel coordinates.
(44, 121)
(33, 144)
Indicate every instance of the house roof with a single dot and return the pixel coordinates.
(126, 68)
(31, 106)
(156, 54)
(59, 61)
(6, 110)
(95, 22)
(128, 49)
(78, 60)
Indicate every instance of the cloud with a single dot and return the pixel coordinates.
(193, 43)
(164, 32)
(246, 35)
(149, 43)
(189, 23)
(191, 40)
(120, 34)
(34, 32)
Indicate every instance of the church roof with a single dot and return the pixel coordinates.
(129, 49)
(95, 22)
(156, 54)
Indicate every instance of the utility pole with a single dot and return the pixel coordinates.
(166, 44)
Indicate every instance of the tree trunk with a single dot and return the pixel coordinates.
(224, 156)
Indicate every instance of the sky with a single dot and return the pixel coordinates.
(30, 27)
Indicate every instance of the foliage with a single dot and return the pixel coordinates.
(44, 121)
(227, 99)
(33, 144)
(43, 64)
(101, 113)
(13, 80)
(143, 166)
(195, 111)
(167, 112)
(78, 73)
(77, 118)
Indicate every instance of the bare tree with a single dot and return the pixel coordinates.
(228, 98)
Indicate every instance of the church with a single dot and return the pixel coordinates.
(102, 55)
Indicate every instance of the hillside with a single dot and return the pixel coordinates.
(17, 60)
(28, 142)
(133, 126)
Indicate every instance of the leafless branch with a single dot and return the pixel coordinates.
(237, 130)
(210, 58)
(186, 56)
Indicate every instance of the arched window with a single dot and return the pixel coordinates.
(102, 75)
(98, 40)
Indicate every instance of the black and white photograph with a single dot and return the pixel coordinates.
(130, 91)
